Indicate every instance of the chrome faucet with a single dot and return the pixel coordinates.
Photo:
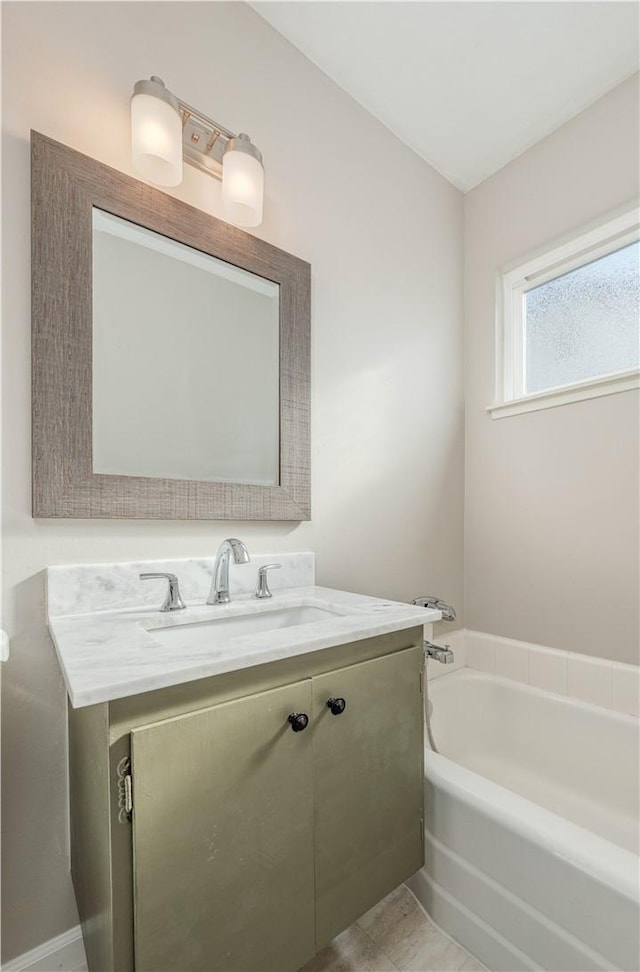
(219, 593)
(262, 586)
(173, 601)
(448, 613)
(442, 654)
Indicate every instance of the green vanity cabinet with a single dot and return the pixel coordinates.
(223, 837)
(236, 839)
(369, 785)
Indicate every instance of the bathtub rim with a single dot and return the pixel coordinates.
(592, 854)
(478, 674)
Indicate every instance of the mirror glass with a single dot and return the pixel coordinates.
(185, 361)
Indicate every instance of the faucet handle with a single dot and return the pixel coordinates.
(173, 600)
(436, 604)
(262, 586)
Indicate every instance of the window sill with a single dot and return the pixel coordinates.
(595, 388)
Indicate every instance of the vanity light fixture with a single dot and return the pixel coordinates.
(164, 130)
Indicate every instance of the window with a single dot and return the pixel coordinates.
(569, 320)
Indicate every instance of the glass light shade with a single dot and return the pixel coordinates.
(242, 182)
(156, 138)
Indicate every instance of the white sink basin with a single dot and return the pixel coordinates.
(203, 633)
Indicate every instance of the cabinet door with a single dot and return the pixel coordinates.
(223, 837)
(369, 786)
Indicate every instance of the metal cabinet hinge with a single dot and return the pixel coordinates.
(421, 682)
(422, 829)
(125, 790)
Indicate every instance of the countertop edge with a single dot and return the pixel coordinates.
(367, 621)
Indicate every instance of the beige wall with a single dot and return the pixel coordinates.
(383, 233)
(551, 517)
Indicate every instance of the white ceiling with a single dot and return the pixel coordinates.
(467, 85)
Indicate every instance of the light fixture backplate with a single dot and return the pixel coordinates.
(203, 141)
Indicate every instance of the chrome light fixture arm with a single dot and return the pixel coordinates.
(203, 140)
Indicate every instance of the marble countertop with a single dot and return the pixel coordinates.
(108, 655)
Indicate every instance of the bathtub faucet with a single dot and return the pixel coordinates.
(442, 654)
(435, 604)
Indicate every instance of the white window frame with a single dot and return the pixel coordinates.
(515, 280)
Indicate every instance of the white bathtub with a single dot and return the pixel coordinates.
(532, 827)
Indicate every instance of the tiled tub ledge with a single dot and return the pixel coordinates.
(599, 681)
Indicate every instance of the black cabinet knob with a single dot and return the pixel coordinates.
(299, 721)
(337, 706)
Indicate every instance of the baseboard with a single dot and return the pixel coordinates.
(64, 953)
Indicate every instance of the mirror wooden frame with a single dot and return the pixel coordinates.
(65, 188)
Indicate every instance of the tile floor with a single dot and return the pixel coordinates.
(395, 936)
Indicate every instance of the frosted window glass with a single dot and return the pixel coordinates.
(584, 324)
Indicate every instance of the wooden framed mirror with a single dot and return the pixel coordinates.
(171, 355)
